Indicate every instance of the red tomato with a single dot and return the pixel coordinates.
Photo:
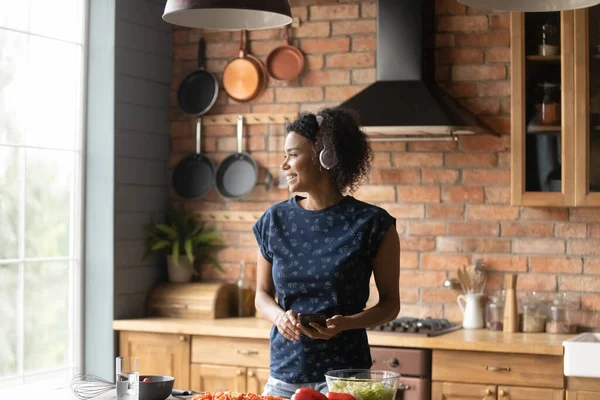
(309, 394)
(340, 396)
(147, 380)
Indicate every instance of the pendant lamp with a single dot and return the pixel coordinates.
(530, 5)
(228, 15)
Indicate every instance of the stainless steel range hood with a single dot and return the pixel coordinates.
(405, 100)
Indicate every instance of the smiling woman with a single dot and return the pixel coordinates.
(317, 253)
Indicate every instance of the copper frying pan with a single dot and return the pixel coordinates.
(244, 77)
(285, 62)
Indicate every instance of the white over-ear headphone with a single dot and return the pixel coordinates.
(327, 156)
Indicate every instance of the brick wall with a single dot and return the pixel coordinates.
(451, 200)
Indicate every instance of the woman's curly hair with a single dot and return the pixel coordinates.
(340, 132)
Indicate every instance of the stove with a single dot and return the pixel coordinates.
(419, 326)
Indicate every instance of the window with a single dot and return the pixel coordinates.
(42, 56)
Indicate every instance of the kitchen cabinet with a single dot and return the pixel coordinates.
(159, 354)
(475, 375)
(214, 378)
(583, 388)
(555, 108)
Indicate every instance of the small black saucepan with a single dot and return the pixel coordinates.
(237, 174)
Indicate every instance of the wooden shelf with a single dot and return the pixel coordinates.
(544, 58)
(249, 119)
(228, 216)
(541, 129)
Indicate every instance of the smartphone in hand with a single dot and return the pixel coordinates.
(318, 318)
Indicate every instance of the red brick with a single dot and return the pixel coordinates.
(478, 72)
(299, 12)
(486, 177)
(488, 212)
(405, 211)
(438, 296)
(500, 21)
(538, 246)
(265, 34)
(220, 50)
(408, 260)
(497, 195)
(295, 95)
(409, 295)
(350, 60)
(382, 159)
(498, 124)
(445, 211)
(314, 62)
(590, 247)
(419, 194)
(312, 29)
(536, 283)
(497, 54)
(368, 10)
(327, 77)
(462, 23)
(451, 7)
(483, 106)
(275, 108)
(483, 39)
(185, 52)
(364, 43)
(365, 75)
(353, 27)
(494, 88)
(594, 231)
(417, 243)
(590, 302)
(442, 73)
(505, 106)
(180, 129)
(585, 215)
(440, 176)
(470, 160)
(421, 278)
(235, 254)
(432, 146)
(461, 194)
(479, 245)
(461, 89)
(394, 176)
(438, 261)
(570, 230)
(545, 214)
(211, 36)
(447, 244)
(473, 229)
(333, 45)
(418, 160)
(527, 229)
(180, 37)
(580, 283)
(408, 310)
(374, 193)
(505, 263)
(426, 228)
(456, 55)
(444, 40)
(557, 265)
(341, 93)
(338, 11)
(504, 159)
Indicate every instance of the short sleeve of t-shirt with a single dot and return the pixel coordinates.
(379, 227)
(261, 231)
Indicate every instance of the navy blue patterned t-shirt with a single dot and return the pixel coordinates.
(322, 262)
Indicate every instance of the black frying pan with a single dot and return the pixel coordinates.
(194, 174)
(237, 174)
(198, 91)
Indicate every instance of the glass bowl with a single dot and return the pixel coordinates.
(364, 384)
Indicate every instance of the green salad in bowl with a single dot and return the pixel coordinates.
(364, 384)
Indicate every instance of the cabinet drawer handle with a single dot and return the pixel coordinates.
(502, 393)
(239, 372)
(497, 369)
(488, 392)
(251, 374)
(246, 352)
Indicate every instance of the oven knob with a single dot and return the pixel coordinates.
(393, 363)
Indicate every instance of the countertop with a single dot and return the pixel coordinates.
(462, 339)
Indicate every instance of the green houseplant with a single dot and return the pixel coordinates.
(186, 241)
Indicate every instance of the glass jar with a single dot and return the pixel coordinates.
(533, 316)
(548, 107)
(494, 315)
(549, 43)
(560, 312)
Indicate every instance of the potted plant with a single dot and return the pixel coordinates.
(186, 241)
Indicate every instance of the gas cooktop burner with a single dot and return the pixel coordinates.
(418, 326)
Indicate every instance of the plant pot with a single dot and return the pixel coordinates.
(181, 273)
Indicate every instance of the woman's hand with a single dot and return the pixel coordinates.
(286, 323)
(335, 325)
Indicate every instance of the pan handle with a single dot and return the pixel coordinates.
(244, 38)
(198, 133)
(201, 53)
(240, 129)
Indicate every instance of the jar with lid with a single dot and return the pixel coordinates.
(495, 311)
(560, 310)
(533, 316)
(548, 107)
(549, 38)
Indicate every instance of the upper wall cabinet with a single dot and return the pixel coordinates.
(555, 79)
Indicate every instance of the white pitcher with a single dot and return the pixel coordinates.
(471, 308)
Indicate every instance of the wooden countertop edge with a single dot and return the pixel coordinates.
(464, 340)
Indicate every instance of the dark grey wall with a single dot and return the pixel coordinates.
(129, 73)
(142, 79)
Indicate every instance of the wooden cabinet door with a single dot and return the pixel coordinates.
(159, 354)
(522, 393)
(582, 395)
(217, 378)
(256, 378)
(462, 391)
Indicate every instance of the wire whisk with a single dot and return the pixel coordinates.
(87, 386)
